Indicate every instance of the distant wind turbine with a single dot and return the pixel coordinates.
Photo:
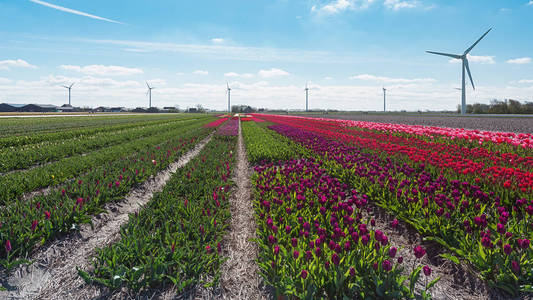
(149, 93)
(306, 97)
(464, 59)
(384, 97)
(69, 87)
(228, 91)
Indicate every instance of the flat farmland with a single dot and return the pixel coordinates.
(519, 124)
(263, 206)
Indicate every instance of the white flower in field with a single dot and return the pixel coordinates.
(116, 277)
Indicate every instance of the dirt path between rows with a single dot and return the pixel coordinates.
(240, 274)
(53, 274)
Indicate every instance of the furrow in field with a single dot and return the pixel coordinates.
(240, 274)
(54, 274)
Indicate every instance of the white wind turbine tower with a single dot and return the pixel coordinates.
(306, 97)
(384, 97)
(149, 94)
(464, 59)
(228, 91)
(69, 87)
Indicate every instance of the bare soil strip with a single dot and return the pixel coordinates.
(457, 281)
(240, 275)
(53, 274)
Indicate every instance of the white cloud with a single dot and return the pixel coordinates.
(476, 59)
(519, 61)
(273, 72)
(225, 52)
(101, 70)
(86, 82)
(200, 72)
(217, 40)
(15, 63)
(338, 6)
(134, 50)
(400, 4)
(5, 80)
(242, 75)
(72, 11)
(527, 81)
(157, 82)
(530, 2)
(369, 77)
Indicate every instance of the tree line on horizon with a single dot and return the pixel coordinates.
(507, 106)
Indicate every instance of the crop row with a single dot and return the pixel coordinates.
(176, 237)
(38, 137)
(23, 126)
(28, 155)
(25, 223)
(263, 145)
(229, 128)
(489, 230)
(14, 185)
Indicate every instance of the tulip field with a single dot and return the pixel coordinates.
(314, 187)
(469, 191)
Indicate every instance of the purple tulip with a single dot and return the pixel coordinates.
(392, 252)
(387, 265)
(507, 249)
(515, 266)
(419, 251)
(8, 246)
(427, 270)
(295, 254)
(335, 259)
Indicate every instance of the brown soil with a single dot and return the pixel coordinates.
(240, 274)
(53, 275)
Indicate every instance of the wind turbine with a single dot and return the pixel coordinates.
(228, 91)
(464, 59)
(69, 87)
(306, 97)
(384, 97)
(149, 92)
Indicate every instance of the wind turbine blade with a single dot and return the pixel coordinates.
(469, 49)
(227, 84)
(71, 85)
(446, 54)
(469, 75)
(65, 86)
(147, 84)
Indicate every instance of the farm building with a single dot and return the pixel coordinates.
(10, 107)
(109, 109)
(39, 108)
(67, 108)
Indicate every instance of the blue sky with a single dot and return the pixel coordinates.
(346, 49)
